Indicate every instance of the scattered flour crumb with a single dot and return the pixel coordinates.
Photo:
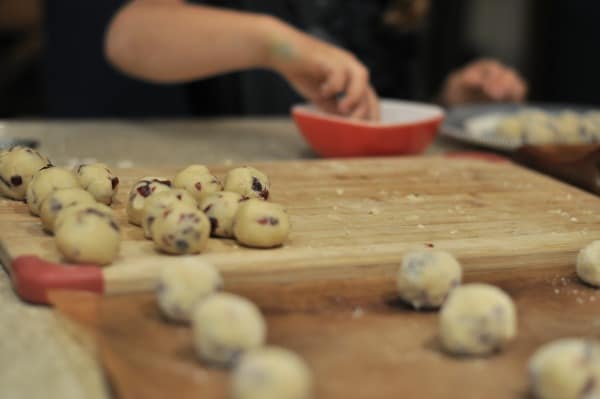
(412, 217)
(592, 298)
(125, 164)
(556, 291)
(579, 300)
(574, 219)
(420, 226)
(454, 232)
(358, 312)
(374, 211)
(339, 191)
(414, 197)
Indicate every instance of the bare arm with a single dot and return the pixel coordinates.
(172, 41)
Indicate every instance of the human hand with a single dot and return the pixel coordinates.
(484, 80)
(330, 77)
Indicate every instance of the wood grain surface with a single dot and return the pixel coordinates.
(355, 218)
(357, 338)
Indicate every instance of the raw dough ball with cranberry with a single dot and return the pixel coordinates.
(156, 204)
(99, 181)
(588, 264)
(271, 373)
(226, 325)
(477, 319)
(181, 229)
(567, 368)
(184, 285)
(198, 181)
(261, 224)
(221, 209)
(17, 167)
(248, 181)
(426, 277)
(87, 235)
(96, 206)
(44, 182)
(58, 200)
(142, 189)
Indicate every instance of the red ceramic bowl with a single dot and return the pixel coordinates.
(405, 128)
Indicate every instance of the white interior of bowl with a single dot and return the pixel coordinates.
(393, 112)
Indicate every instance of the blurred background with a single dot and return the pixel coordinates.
(52, 65)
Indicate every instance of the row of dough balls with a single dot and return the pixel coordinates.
(230, 331)
(539, 127)
(475, 319)
(20, 166)
(72, 205)
(179, 216)
(569, 368)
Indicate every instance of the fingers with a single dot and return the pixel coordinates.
(358, 84)
(374, 110)
(489, 80)
(335, 83)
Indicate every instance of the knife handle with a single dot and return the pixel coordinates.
(33, 278)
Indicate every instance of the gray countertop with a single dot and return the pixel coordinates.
(41, 358)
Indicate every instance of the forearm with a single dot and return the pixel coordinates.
(175, 42)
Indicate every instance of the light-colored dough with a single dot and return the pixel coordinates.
(46, 181)
(426, 277)
(63, 213)
(566, 369)
(226, 325)
(221, 209)
(142, 189)
(17, 167)
(184, 285)
(477, 319)
(198, 181)
(156, 204)
(58, 200)
(88, 236)
(261, 224)
(99, 181)
(181, 229)
(588, 264)
(248, 181)
(271, 373)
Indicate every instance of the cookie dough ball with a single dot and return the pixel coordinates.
(99, 181)
(59, 200)
(198, 181)
(44, 182)
(261, 224)
(181, 229)
(248, 181)
(539, 133)
(510, 128)
(271, 373)
(63, 213)
(566, 369)
(221, 209)
(477, 319)
(141, 190)
(184, 285)
(588, 264)
(17, 167)
(156, 204)
(226, 325)
(426, 277)
(89, 236)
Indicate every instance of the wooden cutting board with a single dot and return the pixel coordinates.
(355, 219)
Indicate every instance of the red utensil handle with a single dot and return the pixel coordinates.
(33, 278)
